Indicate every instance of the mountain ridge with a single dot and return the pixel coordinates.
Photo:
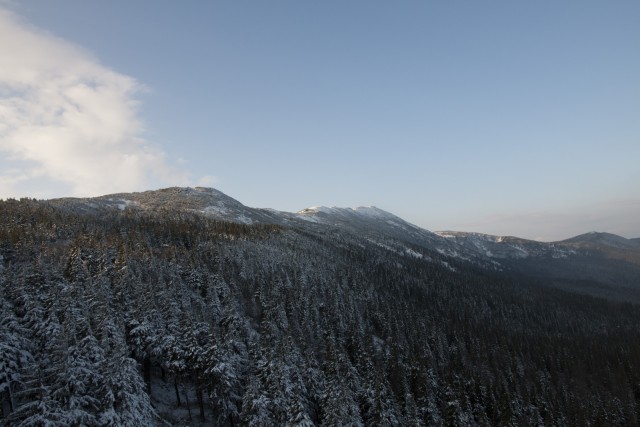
(219, 204)
(608, 262)
(375, 223)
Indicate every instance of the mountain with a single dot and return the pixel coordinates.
(378, 227)
(598, 240)
(183, 306)
(600, 264)
(607, 245)
(506, 247)
(207, 201)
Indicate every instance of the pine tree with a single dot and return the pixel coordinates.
(256, 405)
(15, 355)
(126, 401)
(339, 406)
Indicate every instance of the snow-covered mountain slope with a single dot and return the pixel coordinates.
(362, 212)
(595, 239)
(591, 256)
(371, 225)
(207, 201)
(506, 247)
(606, 245)
(596, 263)
(368, 220)
(364, 225)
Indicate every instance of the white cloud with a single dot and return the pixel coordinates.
(69, 125)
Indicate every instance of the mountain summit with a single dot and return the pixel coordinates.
(595, 239)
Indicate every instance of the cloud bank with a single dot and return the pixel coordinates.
(69, 125)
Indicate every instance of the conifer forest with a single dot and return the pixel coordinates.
(125, 316)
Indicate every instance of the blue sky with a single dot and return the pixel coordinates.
(518, 118)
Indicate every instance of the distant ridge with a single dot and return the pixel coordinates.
(608, 239)
(585, 256)
(215, 203)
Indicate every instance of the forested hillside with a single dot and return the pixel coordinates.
(118, 316)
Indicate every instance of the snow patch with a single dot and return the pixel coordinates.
(523, 253)
(372, 211)
(449, 267)
(413, 253)
(316, 209)
(445, 234)
(382, 245)
(395, 224)
(123, 204)
(366, 211)
(308, 218)
(244, 219)
(220, 209)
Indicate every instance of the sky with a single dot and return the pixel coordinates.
(501, 117)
